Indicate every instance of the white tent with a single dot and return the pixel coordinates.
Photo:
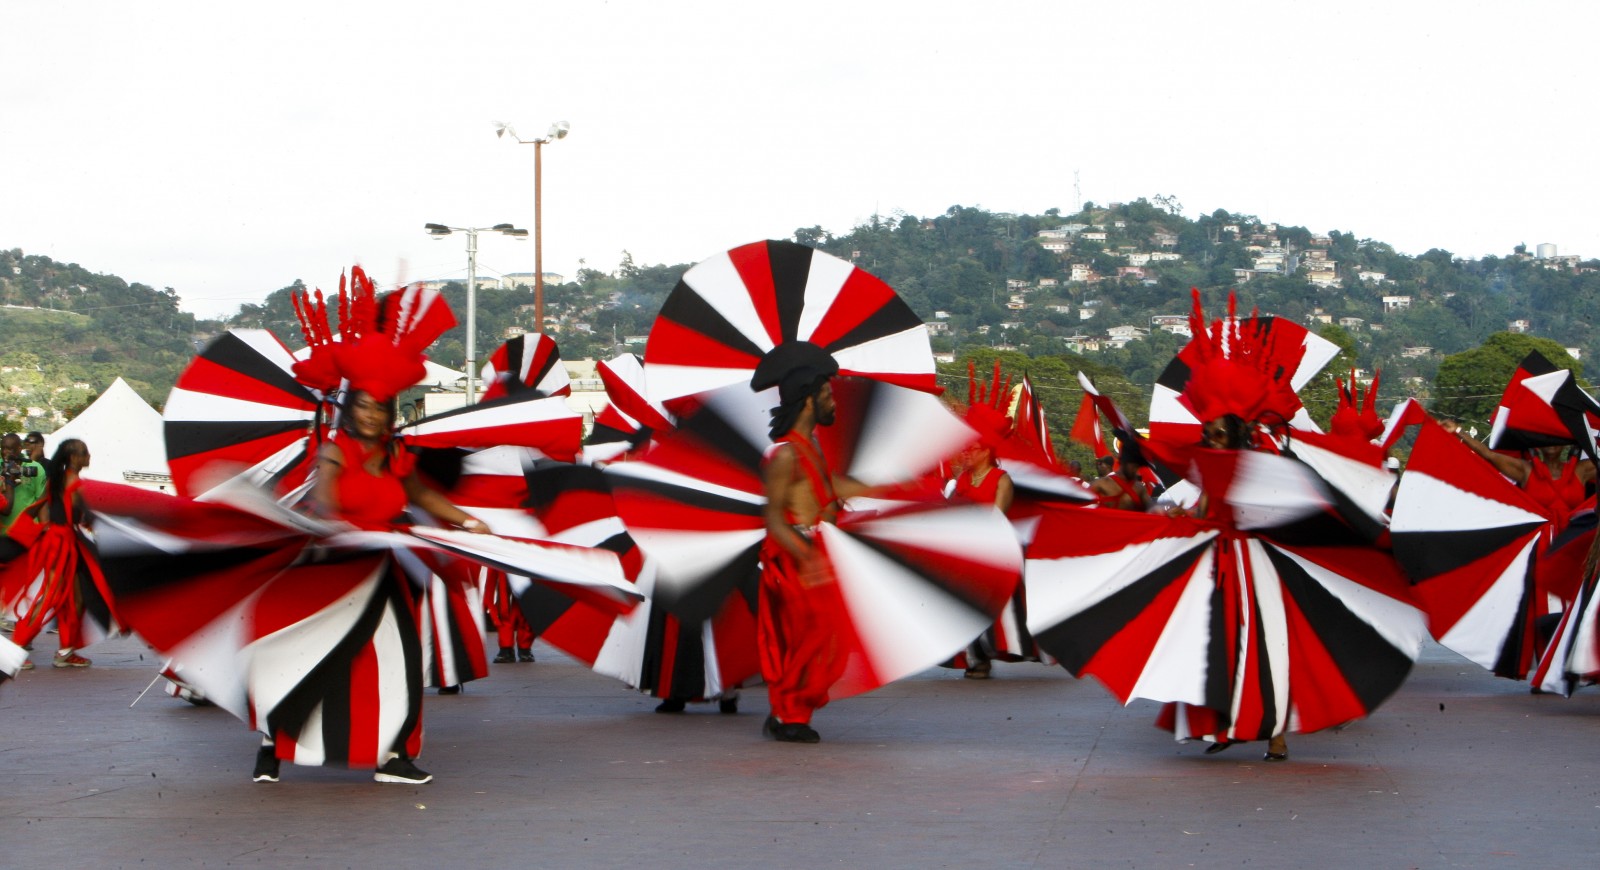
(125, 439)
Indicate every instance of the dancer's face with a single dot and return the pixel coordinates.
(369, 417)
(822, 405)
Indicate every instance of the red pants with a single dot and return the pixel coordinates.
(801, 652)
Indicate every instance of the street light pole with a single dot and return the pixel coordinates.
(472, 312)
(538, 238)
(439, 231)
(558, 130)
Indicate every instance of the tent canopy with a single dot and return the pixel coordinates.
(125, 439)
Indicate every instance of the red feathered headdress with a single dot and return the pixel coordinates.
(986, 409)
(381, 344)
(1237, 367)
(1355, 417)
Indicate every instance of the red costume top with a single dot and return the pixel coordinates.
(982, 492)
(1112, 501)
(372, 501)
(1560, 495)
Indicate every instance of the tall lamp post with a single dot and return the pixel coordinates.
(439, 231)
(557, 131)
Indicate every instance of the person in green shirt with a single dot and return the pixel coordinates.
(25, 476)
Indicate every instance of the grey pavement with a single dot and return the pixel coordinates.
(550, 765)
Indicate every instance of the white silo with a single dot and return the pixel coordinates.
(1546, 250)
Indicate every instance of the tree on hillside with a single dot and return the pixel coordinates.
(1469, 384)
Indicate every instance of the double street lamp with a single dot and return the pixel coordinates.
(557, 131)
(439, 231)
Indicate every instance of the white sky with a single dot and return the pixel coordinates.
(225, 153)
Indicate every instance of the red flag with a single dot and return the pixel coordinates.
(1406, 414)
(1086, 429)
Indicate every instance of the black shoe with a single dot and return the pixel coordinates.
(978, 671)
(266, 765)
(525, 655)
(728, 706)
(450, 690)
(505, 656)
(794, 732)
(401, 770)
(769, 727)
(1275, 756)
(1220, 745)
(671, 705)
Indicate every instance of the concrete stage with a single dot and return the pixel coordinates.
(549, 765)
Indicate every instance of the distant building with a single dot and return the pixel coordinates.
(1351, 323)
(525, 279)
(1415, 352)
(1518, 326)
(937, 327)
(1396, 303)
(1370, 277)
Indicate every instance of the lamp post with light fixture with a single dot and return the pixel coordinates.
(439, 231)
(557, 131)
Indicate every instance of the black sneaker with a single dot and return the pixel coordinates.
(525, 655)
(671, 705)
(266, 765)
(795, 732)
(450, 690)
(789, 732)
(402, 771)
(728, 706)
(505, 656)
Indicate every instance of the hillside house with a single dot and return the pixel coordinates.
(1417, 352)
(1518, 326)
(1351, 323)
(937, 327)
(1243, 276)
(1368, 276)
(1094, 236)
(1047, 283)
(1166, 240)
(1396, 303)
(1138, 259)
(1130, 272)
(1164, 256)
(1574, 352)
(1082, 272)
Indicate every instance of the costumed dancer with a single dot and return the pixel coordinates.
(366, 477)
(1245, 624)
(799, 605)
(1498, 601)
(511, 628)
(59, 570)
(981, 480)
(1119, 489)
